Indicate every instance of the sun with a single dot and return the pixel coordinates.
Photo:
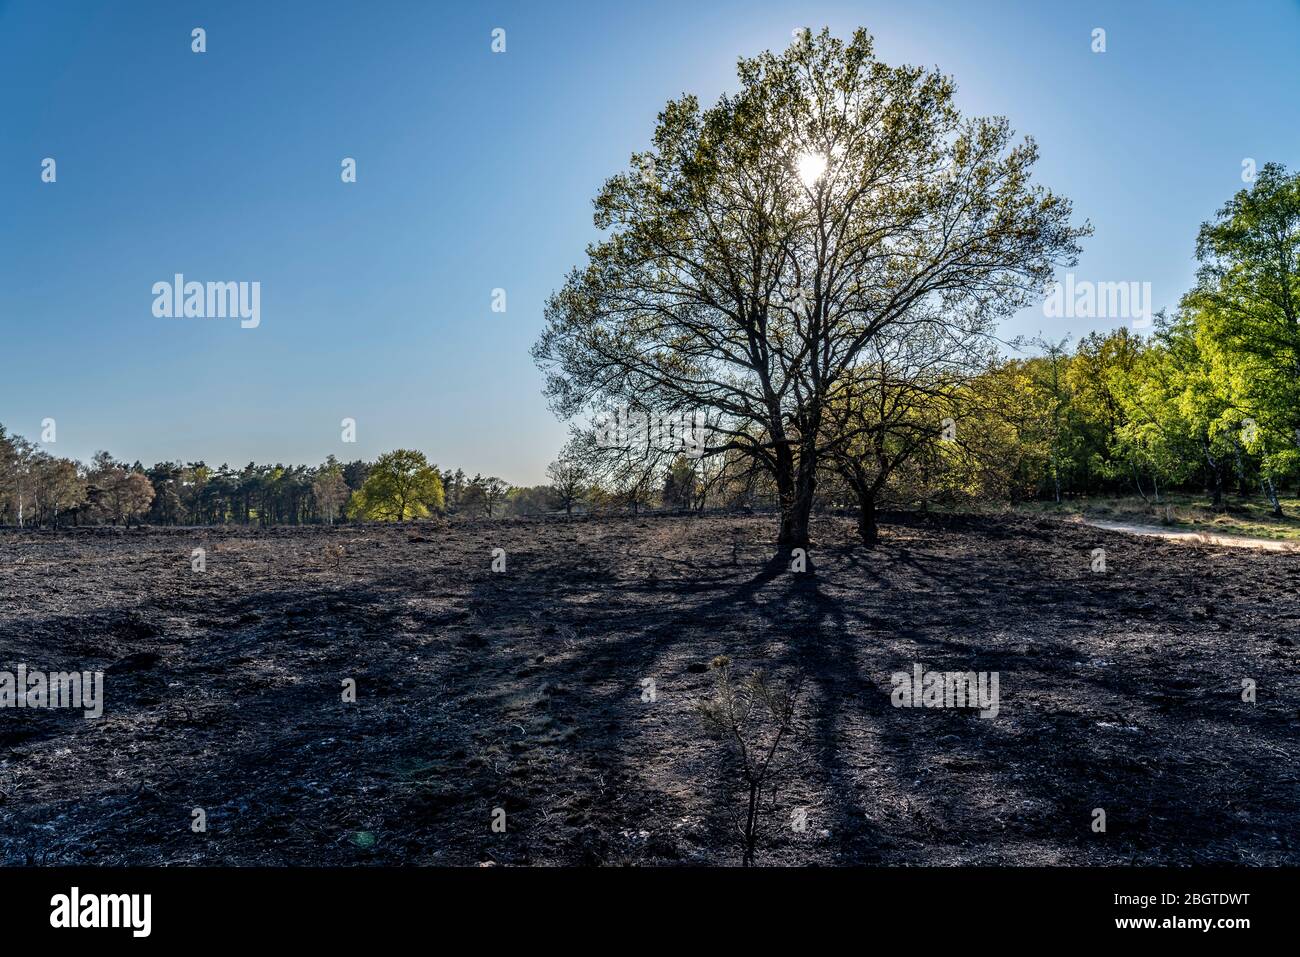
(811, 166)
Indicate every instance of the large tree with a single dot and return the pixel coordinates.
(906, 394)
(401, 485)
(760, 246)
(485, 494)
(59, 487)
(1247, 305)
(117, 493)
(1179, 417)
(569, 479)
(19, 459)
(329, 491)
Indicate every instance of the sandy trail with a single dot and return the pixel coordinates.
(1231, 541)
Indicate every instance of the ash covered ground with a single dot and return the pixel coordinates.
(523, 690)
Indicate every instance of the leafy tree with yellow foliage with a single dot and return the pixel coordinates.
(402, 485)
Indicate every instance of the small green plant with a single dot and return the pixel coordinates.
(752, 717)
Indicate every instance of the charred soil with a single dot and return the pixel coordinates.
(524, 690)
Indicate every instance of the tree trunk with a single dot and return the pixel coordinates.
(795, 510)
(1216, 475)
(751, 826)
(1271, 491)
(867, 527)
(1137, 481)
(794, 526)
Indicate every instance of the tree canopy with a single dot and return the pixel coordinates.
(401, 485)
(761, 248)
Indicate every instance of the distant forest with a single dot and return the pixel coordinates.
(1206, 400)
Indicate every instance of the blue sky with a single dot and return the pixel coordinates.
(476, 171)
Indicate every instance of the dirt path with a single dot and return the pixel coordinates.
(1207, 538)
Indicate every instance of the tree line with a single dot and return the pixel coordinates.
(817, 266)
(39, 489)
(819, 263)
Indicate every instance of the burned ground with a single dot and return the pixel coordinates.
(523, 690)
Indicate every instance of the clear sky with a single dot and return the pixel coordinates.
(476, 171)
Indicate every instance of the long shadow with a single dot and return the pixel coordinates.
(480, 722)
